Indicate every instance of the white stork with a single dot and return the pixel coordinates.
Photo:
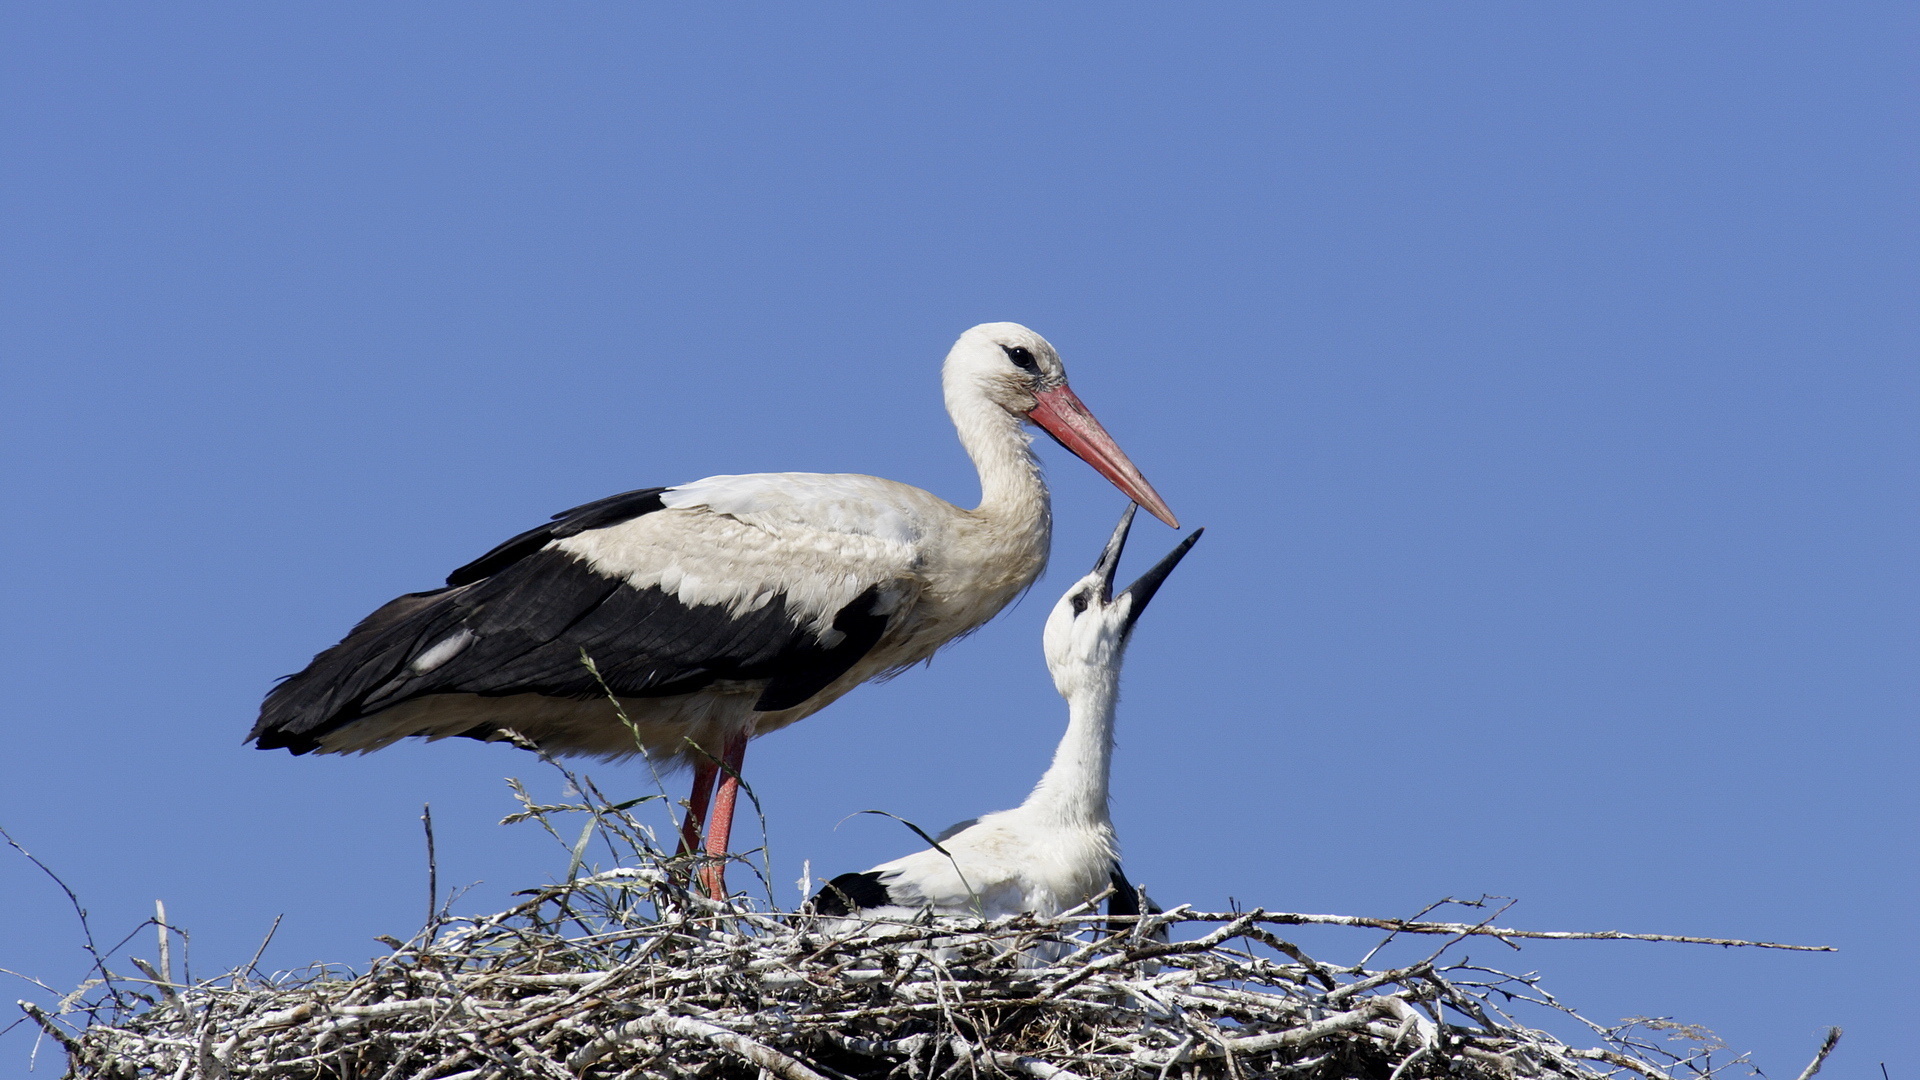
(1057, 850)
(718, 610)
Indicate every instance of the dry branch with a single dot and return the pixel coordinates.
(629, 973)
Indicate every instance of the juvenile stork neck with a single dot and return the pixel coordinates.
(1074, 790)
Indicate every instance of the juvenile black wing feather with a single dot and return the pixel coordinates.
(849, 893)
(1125, 901)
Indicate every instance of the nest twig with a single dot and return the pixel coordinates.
(630, 973)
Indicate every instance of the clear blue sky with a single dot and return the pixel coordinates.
(1544, 374)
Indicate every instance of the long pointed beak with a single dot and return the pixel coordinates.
(1066, 418)
(1109, 563)
(1142, 590)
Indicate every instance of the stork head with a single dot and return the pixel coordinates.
(1087, 633)
(1017, 370)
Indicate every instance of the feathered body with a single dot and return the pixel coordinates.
(1058, 849)
(716, 610)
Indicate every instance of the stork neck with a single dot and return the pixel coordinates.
(1012, 493)
(1075, 789)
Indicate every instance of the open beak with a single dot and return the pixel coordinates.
(1064, 416)
(1109, 563)
(1142, 590)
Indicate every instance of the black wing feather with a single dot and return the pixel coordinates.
(597, 514)
(813, 666)
(849, 893)
(530, 621)
(1125, 900)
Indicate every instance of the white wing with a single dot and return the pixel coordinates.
(738, 541)
(983, 871)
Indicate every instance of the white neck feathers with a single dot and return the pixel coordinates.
(1075, 789)
(997, 441)
(1015, 515)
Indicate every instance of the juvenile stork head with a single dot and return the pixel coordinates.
(1013, 368)
(1087, 633)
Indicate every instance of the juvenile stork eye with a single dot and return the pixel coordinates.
(1079, 603)
(1022, 357)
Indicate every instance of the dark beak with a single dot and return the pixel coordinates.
(1142, 590)
(1109, 563)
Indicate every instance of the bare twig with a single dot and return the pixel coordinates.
(433, 868)
(631, 972)
(261, 951)
(1407, 926)
(86, 928)
(166, 946)
(1819, 1059)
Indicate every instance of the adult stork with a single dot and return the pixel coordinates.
(1058, 849)
(713, 611)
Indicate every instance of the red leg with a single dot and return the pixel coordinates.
(720, 829)
(697, 801)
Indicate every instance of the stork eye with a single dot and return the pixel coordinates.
(1022, 357)
(1079, 603)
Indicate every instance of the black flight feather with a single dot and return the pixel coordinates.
(849, 893)
(597, 514)
(1125, 900)
(529, 613)
(810, 666)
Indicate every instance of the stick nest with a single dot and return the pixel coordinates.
(628, 972)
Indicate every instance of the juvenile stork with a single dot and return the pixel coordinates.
(714, 611)
(1057, 850)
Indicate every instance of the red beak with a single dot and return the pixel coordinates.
(1065, 417)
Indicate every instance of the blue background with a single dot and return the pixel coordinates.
(1543, 372)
